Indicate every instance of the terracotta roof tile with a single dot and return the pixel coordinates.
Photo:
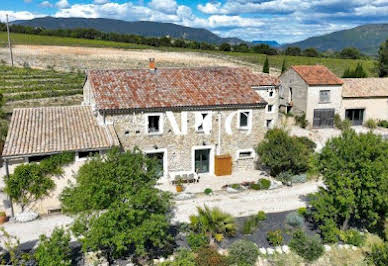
(317, 75)
(43, 130)
(176, 87)
(365, 87)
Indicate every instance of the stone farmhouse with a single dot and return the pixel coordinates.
(316, 92)
(184, 117)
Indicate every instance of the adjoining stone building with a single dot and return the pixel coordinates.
(186, 116)
(365, 98)
(311, 90)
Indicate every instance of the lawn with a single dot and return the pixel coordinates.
(25, 83)
(338, 66)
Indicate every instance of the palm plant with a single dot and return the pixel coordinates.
(213, 222)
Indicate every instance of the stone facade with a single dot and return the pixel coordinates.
(271, 96)
(293, 92)
(180, 137)
(302, 98)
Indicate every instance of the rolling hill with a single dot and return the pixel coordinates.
(144, 28)
(366, 38)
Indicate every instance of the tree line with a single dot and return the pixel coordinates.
(92, 34)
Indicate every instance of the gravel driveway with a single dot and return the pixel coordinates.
(249, 202)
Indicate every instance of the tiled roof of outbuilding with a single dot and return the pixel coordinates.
(365, 87)
(317, 75)
(45, 130)
(176, 87)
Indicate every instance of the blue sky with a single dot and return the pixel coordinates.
(280, 20)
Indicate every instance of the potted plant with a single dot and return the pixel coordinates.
(3, 217)
(179, 184)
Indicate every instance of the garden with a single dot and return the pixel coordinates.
(121, 216)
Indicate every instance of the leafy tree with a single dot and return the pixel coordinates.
(120, 212)
(284, 68)
(293, 50)
(350, 53)
(28, 184)
(213, 222)
(265, 49)
(242, 47)
(54, 250)
(225, 47)
(101, 181)
(31, 182)
(282, 153)
(266, 66)
(137, 224)
(355, 173)
(311, 52)
(383, 60)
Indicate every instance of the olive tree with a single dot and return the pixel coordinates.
(355, 174)
(118, 209)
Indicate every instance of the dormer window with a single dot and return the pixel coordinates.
(244, 119)
(154, 124)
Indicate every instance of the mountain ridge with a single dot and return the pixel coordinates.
(367, 38)
(144, 28)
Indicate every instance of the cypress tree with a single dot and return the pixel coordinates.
(284, 65)
(266, 65)
(347, 73)
(359, 72)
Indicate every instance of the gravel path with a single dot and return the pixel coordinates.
(249, 202)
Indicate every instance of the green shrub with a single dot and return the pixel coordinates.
(352, 237)
(383, 123)
(280, 153)
(255, 186)
(301, 120)
(308, 143)
(261, 216)
(329, 231)
(249, 226)
(183, 257)
(197, 240)
(341, 124)
(236, 186)
(54, 250)
(264, 183)
(370, 123)
(309, 248)
(208, 191)
(209, 257)
(275, 238)
(302, 211)
(294, 219)
(285, 177)
(301, 178)
(378, 255)
(243, 252)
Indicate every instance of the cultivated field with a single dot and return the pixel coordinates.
(25, 87)
(253, 60)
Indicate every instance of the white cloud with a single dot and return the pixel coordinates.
(100, 2)
(165, 6)
(21, 15)
(62, 4)
(46, 4)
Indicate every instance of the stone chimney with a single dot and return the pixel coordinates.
(152, 64)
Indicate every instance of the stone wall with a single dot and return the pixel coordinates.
(271, 100)
(290, 79)
(131, 130)
(313, 101)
